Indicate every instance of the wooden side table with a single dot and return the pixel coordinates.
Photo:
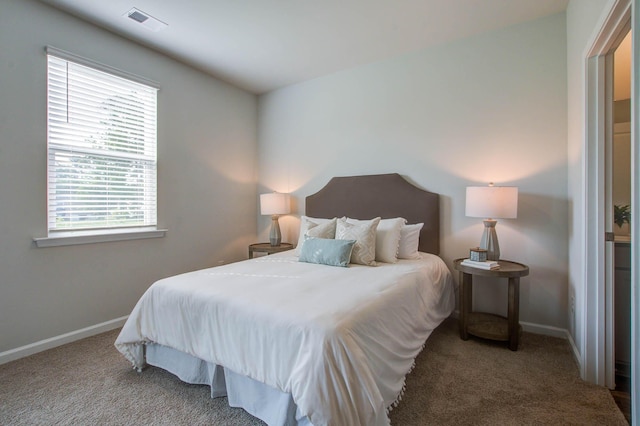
(491, 326)
(268, 248)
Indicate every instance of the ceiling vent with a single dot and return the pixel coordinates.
(146, 20)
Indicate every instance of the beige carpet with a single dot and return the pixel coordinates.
(454, 383)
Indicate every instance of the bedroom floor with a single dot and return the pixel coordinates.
(454, 382)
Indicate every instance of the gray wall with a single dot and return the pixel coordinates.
(488, 108)
(207, 145)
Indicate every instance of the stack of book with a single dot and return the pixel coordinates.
(487, 264)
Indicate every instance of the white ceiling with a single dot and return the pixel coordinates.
(262, 45)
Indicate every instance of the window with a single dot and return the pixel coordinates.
(101, 147)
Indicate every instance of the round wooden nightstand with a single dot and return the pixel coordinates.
(268, 248)
(491, 326)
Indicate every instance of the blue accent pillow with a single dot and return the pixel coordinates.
(326, 251)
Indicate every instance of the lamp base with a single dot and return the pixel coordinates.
(489, 240)
(275, 237)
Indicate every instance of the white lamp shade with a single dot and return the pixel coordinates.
(274, 203)
(494, 202)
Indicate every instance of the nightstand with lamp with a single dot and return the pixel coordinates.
(491, 202)
(273, 204)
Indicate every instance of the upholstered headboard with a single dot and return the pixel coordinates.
(387, 196)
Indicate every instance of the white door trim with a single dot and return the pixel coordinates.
(594, 368)
(594, 338)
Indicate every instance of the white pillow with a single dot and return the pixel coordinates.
(387, 238)
(364, 250)
(307, 223)
(409, 238)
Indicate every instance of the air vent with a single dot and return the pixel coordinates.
(146, 20)
(137, 16)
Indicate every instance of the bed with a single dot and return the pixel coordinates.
(296, 342)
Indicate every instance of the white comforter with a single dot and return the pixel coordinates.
(339, 340)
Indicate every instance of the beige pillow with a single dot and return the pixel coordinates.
(387, 238)
(364, 250)
(327, 229)
(323, 230)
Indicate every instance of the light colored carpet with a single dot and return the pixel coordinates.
(454, 383)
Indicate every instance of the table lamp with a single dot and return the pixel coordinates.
(491, 202)
(275, 204)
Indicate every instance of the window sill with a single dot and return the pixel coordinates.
(91, 237)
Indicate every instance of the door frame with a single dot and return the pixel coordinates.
(598, 362)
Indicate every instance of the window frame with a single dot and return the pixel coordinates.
(71, 236)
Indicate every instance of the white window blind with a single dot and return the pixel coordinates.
(101, 149)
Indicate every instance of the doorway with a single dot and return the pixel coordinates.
(598, 354)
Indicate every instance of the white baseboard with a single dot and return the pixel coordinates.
(530, 327)
(545, 330)
(576, 352)
(562, 333)
(53, 342)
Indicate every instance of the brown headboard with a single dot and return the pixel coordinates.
(387, 196)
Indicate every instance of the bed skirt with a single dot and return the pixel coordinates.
(274, 407)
